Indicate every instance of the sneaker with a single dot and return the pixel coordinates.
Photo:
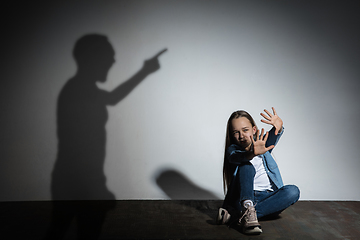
(249, 222)
(223, 216)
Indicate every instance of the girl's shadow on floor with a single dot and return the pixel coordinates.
(178, 187)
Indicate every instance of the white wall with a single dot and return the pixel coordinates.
(165, 139)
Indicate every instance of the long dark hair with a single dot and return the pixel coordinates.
(228, 169)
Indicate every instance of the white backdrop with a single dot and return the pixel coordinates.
(166, 139)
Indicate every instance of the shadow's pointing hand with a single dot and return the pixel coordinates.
(151, 65)
(160, 53)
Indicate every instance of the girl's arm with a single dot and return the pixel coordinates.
(277, 123)
(273, 139)
(237, 156)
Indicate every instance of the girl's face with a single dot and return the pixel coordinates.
(242, 132)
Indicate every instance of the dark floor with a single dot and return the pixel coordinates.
(188, 219)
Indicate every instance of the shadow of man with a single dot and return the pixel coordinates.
(81, 117)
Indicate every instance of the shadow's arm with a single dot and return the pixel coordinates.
(151, 65)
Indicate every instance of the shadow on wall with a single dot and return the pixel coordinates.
(81, 117)
(178, 187)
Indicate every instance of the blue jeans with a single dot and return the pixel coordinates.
(266, 202)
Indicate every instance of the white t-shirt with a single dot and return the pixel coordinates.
(261, 179)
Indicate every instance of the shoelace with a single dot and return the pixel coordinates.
(252, 215)
(251, 212)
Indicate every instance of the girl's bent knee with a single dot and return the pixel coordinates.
(293, 192)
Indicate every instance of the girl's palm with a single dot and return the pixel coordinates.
(272, 119)
(259, 143)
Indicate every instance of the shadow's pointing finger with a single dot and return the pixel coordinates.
(161, 52)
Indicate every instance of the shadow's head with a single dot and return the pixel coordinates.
(94, 56)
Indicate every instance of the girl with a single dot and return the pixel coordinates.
(251, 176)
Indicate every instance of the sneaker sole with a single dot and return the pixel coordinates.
(255, 230)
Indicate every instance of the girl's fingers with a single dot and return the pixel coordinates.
(276, 131)
(264, 116)
(264, 121)
(274, 111)
(270, 147)
(266, 136)
(262, 134)
(268, 112)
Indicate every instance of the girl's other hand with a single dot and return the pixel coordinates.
(272, 119)
(259, 143)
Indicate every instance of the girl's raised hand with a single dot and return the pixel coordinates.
(272, 119)
(259, 143)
